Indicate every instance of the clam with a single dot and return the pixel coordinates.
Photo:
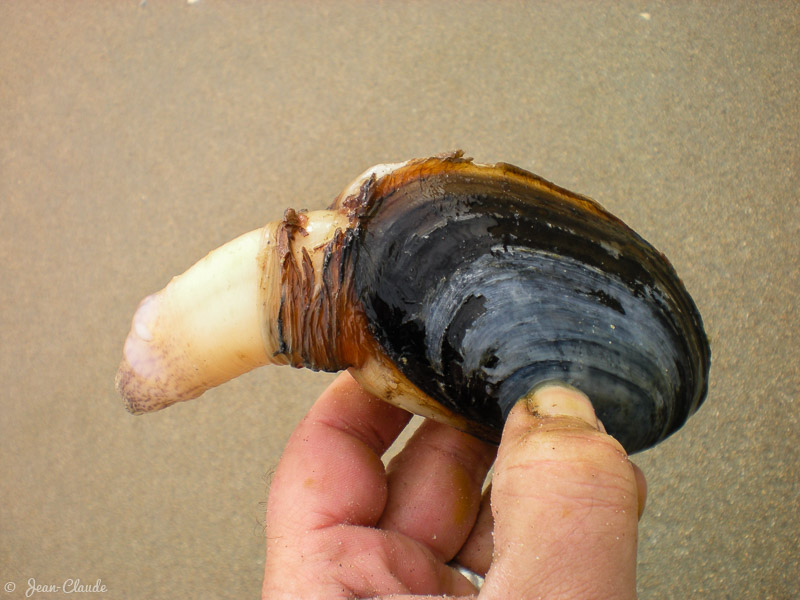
(447, 287)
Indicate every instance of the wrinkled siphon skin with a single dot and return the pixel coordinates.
(449, 288)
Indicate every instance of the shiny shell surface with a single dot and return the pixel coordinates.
(482, 282)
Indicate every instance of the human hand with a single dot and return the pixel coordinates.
(562, 522)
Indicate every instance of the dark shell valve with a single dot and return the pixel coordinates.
(481, 282)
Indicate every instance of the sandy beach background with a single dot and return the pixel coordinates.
(136, 136)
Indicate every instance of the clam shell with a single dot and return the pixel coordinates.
(481, 282)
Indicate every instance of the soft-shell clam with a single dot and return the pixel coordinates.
(447, 287)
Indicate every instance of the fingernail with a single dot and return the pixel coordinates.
(558, 400)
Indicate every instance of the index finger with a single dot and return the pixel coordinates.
(331, 471)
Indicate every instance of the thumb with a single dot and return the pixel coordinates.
(565, 504)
